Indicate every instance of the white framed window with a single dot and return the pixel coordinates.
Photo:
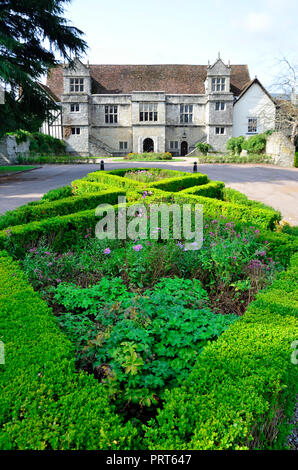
(174, 144)
(218, 84)
(252, 125)
(75, 130)
(123, 145)
(74, 108)
(111, 114)
(220, 106)
(219, 130)
(148, 112)
(76, 85)
(186, 114)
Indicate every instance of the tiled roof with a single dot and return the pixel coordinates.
(172, 79)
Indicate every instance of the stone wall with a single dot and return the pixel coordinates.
(10, 150)
(281, 149)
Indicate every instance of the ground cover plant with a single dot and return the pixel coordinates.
(152, 324)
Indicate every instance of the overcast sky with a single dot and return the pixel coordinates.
(253, 32)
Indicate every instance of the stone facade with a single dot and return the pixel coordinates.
(281, 149)
(10, 150)
(114, 110)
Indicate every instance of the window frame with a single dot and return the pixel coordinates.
(123, 145)
(174, 145)
(75, 131)
(251, 118)
(76, 107)
(218, 84)
(221, 106)
(186, 113)
(148, 112)
(220, 128)
(76, 85)
(111, 114)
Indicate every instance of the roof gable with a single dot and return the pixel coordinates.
(255, 81)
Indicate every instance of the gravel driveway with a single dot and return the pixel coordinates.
(275, 186)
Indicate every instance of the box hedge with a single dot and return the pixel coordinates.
(45, 403)
(60, 207)
(213, 190)
(243, 387)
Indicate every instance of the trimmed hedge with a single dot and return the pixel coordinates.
(178, 184)
(111, 180)
(58, 193)
(243, 386)
(232, 195)
(213, 190)
(243, 214)
(123, 171)
(81, 187)
(45, 403)
(60, 207)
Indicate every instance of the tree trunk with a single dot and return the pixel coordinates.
(294, 132)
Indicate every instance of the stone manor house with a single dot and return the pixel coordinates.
(117, 109)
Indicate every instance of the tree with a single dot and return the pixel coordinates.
(286, 83)
(34, 36)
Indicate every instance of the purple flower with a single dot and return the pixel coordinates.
(107, 251)
(47, 253)
(137, 247)
(58, 280)
(33, 250)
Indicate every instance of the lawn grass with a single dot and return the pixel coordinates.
(17, 168)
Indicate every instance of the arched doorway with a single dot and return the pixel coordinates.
(148, 145)
(184, 148)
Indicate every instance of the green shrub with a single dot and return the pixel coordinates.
(255, 144)
(142, 343)
(243, 387)
(112, 180)
(235, 145)
(203, 147)
(40, 143)
(177, 184)
(45, 403)
(58, 207)
(149, 156)
(213, 190)
(296, 160)
(56, 194)
(243, 214)
(231, 195)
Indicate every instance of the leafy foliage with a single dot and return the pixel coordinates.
(142, 344)
(202, 147)
(255, 144)
(235, 145)
(25, 29)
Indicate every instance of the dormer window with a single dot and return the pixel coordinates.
(218, 84)
(76, 85)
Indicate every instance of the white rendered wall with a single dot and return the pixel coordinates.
(254, 103)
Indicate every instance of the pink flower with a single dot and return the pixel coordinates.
(107, 251)
(137, 247)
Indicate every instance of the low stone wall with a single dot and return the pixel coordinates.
(281, 149)
(10, 149)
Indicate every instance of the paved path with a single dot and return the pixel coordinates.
(275, 186)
